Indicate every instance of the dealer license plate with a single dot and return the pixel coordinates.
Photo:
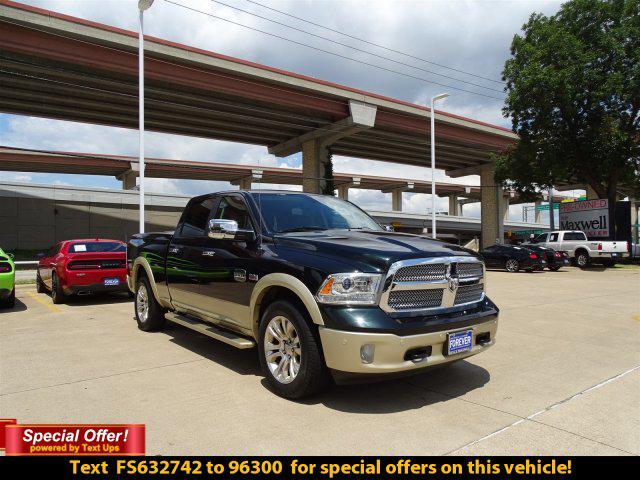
(108, 282)
(459, 342)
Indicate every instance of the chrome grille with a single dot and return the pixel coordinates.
(415, 299)
(469, 293)
(431, 284)
(469, 270)
(421, 273)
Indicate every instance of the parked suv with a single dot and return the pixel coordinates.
(315, 284)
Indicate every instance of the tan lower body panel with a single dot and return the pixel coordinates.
(342, 349)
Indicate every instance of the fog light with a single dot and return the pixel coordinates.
(366, 353)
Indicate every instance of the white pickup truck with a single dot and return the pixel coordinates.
(582, 250)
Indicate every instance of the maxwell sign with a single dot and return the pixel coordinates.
(590, 216)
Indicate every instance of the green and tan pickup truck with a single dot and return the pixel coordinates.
(312, 282)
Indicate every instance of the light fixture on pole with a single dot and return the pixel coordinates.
(433, 161)
(142, 6)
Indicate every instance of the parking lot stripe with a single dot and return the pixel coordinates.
(550, 407)
(50, 306)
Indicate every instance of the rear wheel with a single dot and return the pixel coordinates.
(582, 259)
(512, 265)
(609, 263)
(290, 353)
(10, 301)
(40, 286)
(149, 313)
(57, 294)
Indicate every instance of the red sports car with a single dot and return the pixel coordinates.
(80, 267)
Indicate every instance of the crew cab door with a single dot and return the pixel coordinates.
(231, 266)
(554, 241)
(184, 255)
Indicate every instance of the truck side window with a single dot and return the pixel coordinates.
(233, 207)
(553, 237)
(195, 219)
(574, 236)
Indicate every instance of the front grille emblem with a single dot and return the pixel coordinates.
(451, 276)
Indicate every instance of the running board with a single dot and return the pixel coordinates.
(212, 331)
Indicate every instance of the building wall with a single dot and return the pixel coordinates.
(33, 218)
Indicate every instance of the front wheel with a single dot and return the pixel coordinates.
(290, 354)
(512, 265)
(10, 301)
(149, 313)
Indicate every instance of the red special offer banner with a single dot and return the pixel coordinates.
(74, 439)
(3, 423)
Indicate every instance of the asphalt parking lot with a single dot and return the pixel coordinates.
(563, 378)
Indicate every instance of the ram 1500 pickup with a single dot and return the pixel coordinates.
(320, 288)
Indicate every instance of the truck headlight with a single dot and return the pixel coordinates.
(350, 288)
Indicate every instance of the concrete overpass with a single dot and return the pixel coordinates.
(126, 169)
(58, 66)
(36, 216)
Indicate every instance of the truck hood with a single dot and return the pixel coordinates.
(366, 250)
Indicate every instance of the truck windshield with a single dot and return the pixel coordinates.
(284, 212)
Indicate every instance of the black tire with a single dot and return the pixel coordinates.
(609, 263)
(312, 375)
(512, 265)
(40, 286)
(57, 294)
(555, 268)
(10, 301)
(582, 259)
(154, 319)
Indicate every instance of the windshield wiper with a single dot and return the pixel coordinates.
(302, 229)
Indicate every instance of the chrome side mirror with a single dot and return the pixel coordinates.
(221, 229)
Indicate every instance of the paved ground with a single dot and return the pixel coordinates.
(564, 378)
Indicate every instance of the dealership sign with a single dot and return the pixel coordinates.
(590, 216)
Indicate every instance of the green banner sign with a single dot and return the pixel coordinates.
(545, 207)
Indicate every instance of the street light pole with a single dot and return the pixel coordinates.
(433, 161)
(142, 6)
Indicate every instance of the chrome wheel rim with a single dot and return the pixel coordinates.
(282, 349)
(582, 260)
(142, 303)
(512, 265)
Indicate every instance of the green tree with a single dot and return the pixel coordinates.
(573, 94)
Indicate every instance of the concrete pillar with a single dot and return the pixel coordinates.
(128, 180)
(492, 208)
(396, 200)
(343, 191)
(314, 160)
(538, 213)
(505, 200)
(244, 183)
(591, 193)
(454, 206)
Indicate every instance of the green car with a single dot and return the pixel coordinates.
(7, 280)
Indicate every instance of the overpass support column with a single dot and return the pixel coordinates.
(591, 193)
(129, 177)
(454, 206)
(505, 200)
(538, 213)
(396, 200)
(314, 164)
(245, 183)
(492, 208)
(343, 192)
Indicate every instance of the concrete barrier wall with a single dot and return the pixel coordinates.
(36, 217)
